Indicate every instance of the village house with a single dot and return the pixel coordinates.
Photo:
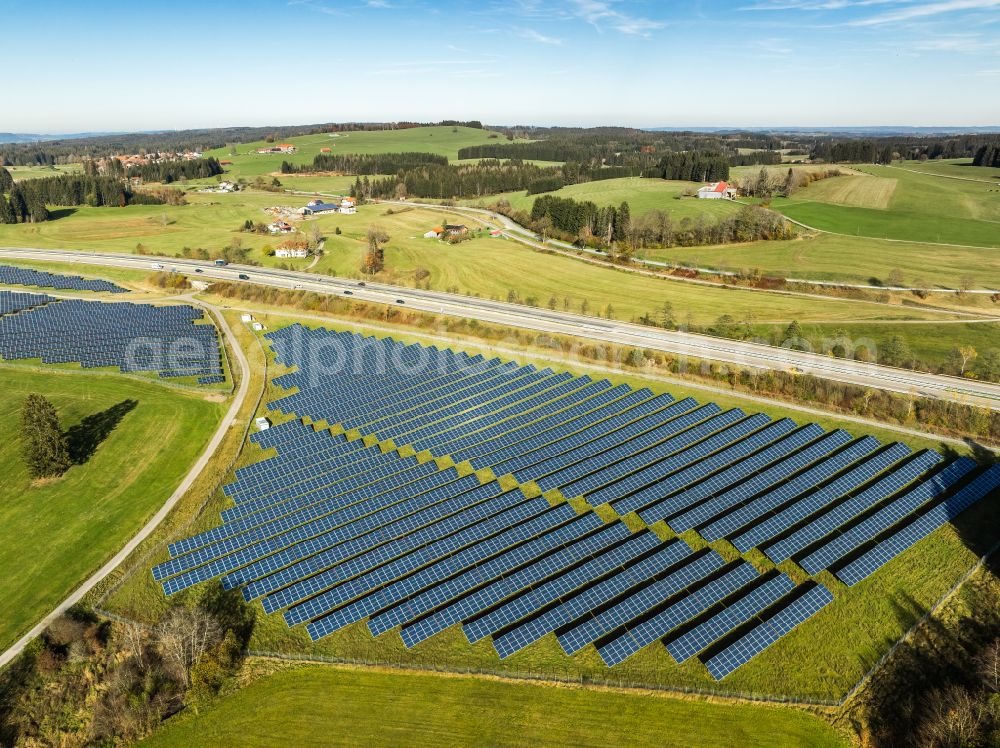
(717, 191)
(281, 148)
(296, 253)
(452, 229)
(316, 207)
(280, 227)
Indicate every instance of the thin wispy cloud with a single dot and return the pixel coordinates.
(601, 14)
(925, 10)
(535, 36)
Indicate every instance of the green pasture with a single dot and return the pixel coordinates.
(54, 534)
(642, 195)
(34, 172)
(847, 259)
(306, 704)
(922, 208)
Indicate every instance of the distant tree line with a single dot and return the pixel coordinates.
(25, 202)
(755, 158)
(692, 166)
(885, 150)
(72, 150)
(366, 163)
(173, 171)
(988, 155)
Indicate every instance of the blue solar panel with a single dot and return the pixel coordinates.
(16, 276)
(904, 538)
(848, 540)
(765, 634)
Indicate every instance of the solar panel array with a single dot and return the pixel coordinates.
(335, 530)
(16, 276)
(130, 337)
(15, 301)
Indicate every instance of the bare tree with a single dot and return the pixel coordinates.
(954, 717)
(133, 638)
(184, 636)
(988, 666)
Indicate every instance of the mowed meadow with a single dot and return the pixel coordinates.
(900, 204)
(370, 707)
(133, 442)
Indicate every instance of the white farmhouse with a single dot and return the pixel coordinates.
(717, 191)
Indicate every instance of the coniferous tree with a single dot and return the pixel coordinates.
(6, 214)
(42, 442)
(6, 181)
(18, 205)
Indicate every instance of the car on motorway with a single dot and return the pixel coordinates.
(348, 293)
(156, 266)
(400, 301)
(199, 270)
(221, 263)
(361, 283)
(243, 277)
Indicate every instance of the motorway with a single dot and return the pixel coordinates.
(678, 343)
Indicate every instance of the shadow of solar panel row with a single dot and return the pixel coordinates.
(16, 276)
(333, 530)
(130, 337)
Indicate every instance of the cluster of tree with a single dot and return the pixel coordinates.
(88, 681)
(581, 218)
(488, 177)
(373, 260)
(365, 163)
(17, 206)
(767, 183)
(26, 200)
(692, 166)
(546, 184)
(754, 158)
(173, 281)
(988, 155)
(751, 223)
(173, 171)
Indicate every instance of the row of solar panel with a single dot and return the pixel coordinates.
(26, 277)
(333, 531)
(131, 337)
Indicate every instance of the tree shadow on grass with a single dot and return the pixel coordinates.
(83, 439)
(57, 213)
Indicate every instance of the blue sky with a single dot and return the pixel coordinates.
(151, 64)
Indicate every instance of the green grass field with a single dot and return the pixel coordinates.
(847, 259)
(642, 195)
(922, 208)
(491, 268)
(312, 705)
(34, 172)
(958, 167)
(55, 534)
